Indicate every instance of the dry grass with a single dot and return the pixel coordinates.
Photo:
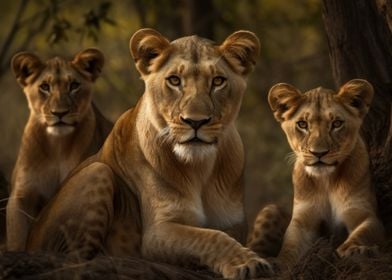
(44, 266)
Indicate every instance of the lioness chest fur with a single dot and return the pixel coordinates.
(175, 160)
(331, 177)
(64, 128)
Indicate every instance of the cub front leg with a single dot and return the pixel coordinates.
(300, 234)
(22, 210)
(365, 232)
(172, 241)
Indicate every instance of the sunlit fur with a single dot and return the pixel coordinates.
(190, 194)
(52, 145)
(332, 186)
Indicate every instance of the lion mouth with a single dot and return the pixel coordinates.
(61, 124)
(197, 141)
(322, 164)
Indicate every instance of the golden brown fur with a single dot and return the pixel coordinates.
(177, 155)
(63, 128)
(332, 188)
(266, 235)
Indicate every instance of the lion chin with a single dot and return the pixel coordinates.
(195, 153)
(319, 171)
(60, 130)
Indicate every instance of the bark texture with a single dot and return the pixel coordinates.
(360, 45)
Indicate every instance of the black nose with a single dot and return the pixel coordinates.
(319, 154)
(60, 114)
(195, 124)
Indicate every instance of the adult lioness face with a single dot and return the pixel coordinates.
(321, 125)
(194, 87)
(58, 91)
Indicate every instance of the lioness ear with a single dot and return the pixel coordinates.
(89, 63)
(26, 66)
(357, 94)
(284, 100)
(241, 50)
(146, 45)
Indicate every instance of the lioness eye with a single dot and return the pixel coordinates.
(44, 87)
(74, 85)
(174, 80)
(302, 124)
(337, 124)
(218, 81)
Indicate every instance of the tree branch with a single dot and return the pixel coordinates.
(11, 34)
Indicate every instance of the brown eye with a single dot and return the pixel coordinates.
(218, 81)
(302, 125)
(174, 80)
(74, 85)
(337, 123)
(44, 87)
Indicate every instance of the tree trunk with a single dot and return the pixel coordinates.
(198, 17)
(360, 44)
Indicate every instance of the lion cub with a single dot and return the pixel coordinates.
(64, 128)
(332, 187)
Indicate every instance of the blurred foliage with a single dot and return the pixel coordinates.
(294, 50)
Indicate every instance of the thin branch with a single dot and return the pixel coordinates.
(14, 29)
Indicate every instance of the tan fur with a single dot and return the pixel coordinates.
(332, 187)
(266, 235)
(189, 192)
(49, 150)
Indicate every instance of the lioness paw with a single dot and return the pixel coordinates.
(347, 250)
(252, 268)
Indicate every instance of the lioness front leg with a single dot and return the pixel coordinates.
(171, 241)
(365, 231)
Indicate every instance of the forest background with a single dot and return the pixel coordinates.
(294, 49)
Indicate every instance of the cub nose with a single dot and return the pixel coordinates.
(195, 124)
(60, 114)
(319, 154)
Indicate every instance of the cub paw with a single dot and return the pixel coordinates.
(252, 268)
(347, 250)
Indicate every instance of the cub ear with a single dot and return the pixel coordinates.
(146, 45)
(89, 63)
(241, 50)
(284, 100)
(26, 66)
(358, 94)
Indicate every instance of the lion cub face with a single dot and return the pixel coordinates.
(194, 87)
(58, 91)
(321, 125)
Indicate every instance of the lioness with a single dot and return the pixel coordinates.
(332, 187)
(178, 152)
(64, 128)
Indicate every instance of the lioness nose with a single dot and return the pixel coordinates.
(60, 114)
(195, 124)
(319, 154)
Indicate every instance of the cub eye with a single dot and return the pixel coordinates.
(218, 81)
(44, 87)
(302, 124)
(74, 85)
(174, 80)
(337, 123)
